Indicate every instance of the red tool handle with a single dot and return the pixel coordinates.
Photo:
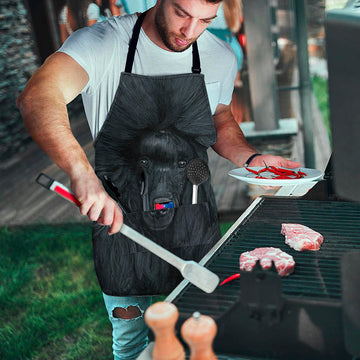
(57, 187)
(66, 193)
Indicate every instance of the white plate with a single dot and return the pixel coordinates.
(247, 176)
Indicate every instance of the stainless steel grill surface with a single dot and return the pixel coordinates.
(317, 273)
(315, 285)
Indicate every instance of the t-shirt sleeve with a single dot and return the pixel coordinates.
(92, 48)
(229, 79)
(93, 12)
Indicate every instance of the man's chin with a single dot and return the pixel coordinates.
(178, 48)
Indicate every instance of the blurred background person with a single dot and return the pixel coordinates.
(100, 10)
(80, 13)
(227, 26)
(116, 7)
(132, 6)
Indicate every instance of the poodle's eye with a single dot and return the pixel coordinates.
(181, 163)
(144, 162)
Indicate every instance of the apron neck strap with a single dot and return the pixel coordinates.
(196, 59)
(133, 42)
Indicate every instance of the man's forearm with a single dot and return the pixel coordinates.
(43, 107)
(46, 119)
(231, 143)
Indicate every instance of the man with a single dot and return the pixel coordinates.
(161, 99)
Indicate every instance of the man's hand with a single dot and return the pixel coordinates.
(267, 160)
(96, 203)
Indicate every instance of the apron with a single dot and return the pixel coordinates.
(155, 126)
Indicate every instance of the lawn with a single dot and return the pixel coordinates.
(320, 88)
(50, 301)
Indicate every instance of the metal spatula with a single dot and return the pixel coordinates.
(198, 275)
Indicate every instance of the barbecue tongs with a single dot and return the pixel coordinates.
(198, 275)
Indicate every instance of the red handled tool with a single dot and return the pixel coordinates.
(57, 187)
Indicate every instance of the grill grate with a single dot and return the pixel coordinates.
(316, 275)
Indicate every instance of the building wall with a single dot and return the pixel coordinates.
(18, 61)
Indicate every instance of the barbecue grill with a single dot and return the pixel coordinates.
(263, 315)
(313, 313)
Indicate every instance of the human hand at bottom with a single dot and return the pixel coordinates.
(96, 203)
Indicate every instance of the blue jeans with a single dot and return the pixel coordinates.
(129, 335)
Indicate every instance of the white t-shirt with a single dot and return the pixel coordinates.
(101, 50)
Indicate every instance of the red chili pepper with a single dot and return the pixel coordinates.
(281, 173)
(230, 278)
(251, 170)
(285, 171)
(274, 170)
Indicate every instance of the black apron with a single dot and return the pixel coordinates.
(155, 126)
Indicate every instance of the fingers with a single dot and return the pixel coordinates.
(107, 213)
(268, 187)
(117, 221)
(96, 203)
(104, 210)
(92, 205)
(94, 211)
(290, 164)
(274, 160)
(110, 214)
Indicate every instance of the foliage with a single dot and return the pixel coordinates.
(320, 88)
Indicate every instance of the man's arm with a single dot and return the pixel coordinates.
(232, 145)
(43, 107)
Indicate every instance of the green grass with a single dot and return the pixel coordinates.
(224, 227)
(50, 301)
(320, 88)
(51, 304)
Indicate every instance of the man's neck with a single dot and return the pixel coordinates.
(150, 29)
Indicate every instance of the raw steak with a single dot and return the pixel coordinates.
(300, 237)
(284, 262)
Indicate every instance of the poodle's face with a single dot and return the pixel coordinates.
(161, 162)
